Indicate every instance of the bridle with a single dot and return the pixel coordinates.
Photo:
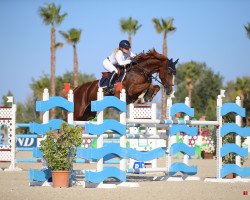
(150, 76)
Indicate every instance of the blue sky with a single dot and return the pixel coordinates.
(210, 31)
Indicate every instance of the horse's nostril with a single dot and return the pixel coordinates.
(168, 91)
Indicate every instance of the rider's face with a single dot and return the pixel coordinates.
(125, 50)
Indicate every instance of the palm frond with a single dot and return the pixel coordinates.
(72, 36)
(64, 34)
(59, 44)
(157, 25)
(50, 14)
(247, 27)
(129, 25)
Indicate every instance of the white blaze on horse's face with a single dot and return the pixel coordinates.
(173, 79)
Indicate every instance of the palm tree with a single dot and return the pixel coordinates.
(243, 90)
(129, 26)
(247, 27)
(51, 16)
(192, 77)
(165, 27)
(242, 87)
(73, 37)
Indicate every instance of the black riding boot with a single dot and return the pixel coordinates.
(111, 80)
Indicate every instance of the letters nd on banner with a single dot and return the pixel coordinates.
(26, 142)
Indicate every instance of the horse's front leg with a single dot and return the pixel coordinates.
(152, 91)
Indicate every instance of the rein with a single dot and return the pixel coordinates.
(159, 81)
(148, 75)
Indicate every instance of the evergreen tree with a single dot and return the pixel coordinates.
(240, 87)
(4, 99)
(206, 87)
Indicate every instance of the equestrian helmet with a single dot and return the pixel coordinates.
(124, 44)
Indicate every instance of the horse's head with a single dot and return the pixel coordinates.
(167, 74)
(153, 62)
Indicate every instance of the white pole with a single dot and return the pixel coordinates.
(100, 137)
(132, 130)
(185, 141)
(46, 113)
(197, 123)
(123, 140)
(140, 170)
(12, 166)
(171, 139)
(238, 121)
(219, 138)
(70, 114)
(45, 121)
(166, 123)
(154, 144)
(129, 136)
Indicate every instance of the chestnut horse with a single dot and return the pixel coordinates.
(138, 80)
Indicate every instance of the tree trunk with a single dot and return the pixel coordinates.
(163, 92)
(75, 67)
(190, 95)
(53, 68)
(165, 47)
(190, 90)
(130, 39)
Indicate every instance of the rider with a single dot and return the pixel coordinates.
(121, 56)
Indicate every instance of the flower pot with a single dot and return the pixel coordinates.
(230, 176)
(206, 155)
(60, 179)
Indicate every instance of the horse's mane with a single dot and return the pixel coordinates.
(151, 54)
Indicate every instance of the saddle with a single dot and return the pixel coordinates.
(103, 82)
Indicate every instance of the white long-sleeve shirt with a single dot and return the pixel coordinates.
(120, 58)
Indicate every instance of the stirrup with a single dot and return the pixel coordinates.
(111, 80)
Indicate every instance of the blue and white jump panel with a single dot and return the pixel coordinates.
(107, 150)
(40, 130)
(176, 167)
(112, 149)
(231, 147)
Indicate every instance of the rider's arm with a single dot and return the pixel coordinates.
(119, 59)
(132, 55)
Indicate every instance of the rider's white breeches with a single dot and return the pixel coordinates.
(109, 66)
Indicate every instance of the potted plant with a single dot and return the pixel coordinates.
(207, 152)
(59, 151)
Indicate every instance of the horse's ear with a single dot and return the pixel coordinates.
(153, 50)
(175, 62)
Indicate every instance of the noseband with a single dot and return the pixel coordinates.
(156, 78)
